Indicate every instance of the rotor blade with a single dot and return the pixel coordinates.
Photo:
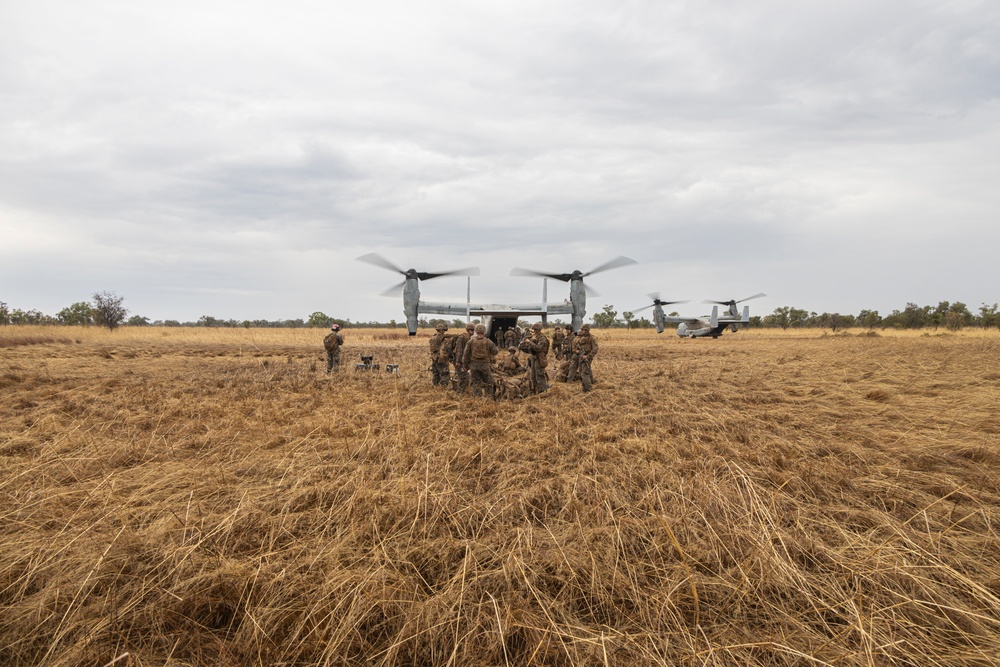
(518, 271)
(590, 290)
(395, 290)
(620, 260)
(721, 303)
(379, 260)
(639, 310)
(755, 296)
(655, 296)
(470, 271)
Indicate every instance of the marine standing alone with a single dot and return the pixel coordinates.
(584, 351)
(332, 343)
(478, 358)
(440, 356)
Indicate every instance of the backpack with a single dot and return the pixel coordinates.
(332, 341)
(446, 352)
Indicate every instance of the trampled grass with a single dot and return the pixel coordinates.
(211, 497)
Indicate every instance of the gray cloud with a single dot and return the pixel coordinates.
(222, 159)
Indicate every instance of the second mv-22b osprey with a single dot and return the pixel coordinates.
(696, 327)
(494, 316)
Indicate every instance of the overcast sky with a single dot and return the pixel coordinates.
(233, 159)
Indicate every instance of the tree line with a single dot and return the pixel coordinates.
(107, 309)
(952, 316)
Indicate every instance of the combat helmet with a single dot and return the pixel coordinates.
(537, 326)
(480, 329)
(585, 327)
(441, 327)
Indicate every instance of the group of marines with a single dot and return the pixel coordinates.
(473, 356)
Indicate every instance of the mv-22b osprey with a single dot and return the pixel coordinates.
(696, 327)
(492, 315)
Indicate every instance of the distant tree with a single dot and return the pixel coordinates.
(959, 312)
(208, 321)
(779, 318)
(606, 318)
(318, 320)
(4, 313)
(80, 312)
(954, 321)
(893, 320)
(171, 323)
(869, 319)
(18, 316)
(988, 316)
(108, 310)
(457, 323)
(798, 317)
(935, 318)
(629, 317)
(756, 322)
(642, 323)
(137, 321)
(915, 317)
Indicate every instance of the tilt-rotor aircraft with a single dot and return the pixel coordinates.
(493, 315)
(696, 327)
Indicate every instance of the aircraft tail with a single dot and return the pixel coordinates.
(714, 320)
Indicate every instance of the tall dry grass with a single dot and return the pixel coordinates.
(211, 497)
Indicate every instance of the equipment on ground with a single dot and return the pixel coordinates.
(367, 363)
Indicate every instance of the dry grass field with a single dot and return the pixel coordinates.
(212, 497)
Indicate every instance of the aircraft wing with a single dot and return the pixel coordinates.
(443, 308)
(744, 319)
(674, 319)
(495, 309)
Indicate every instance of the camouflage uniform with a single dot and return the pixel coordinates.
(478, 358)
(461, 370)
(584, 351)
(538, 347)
(333, 343)
(440, 356)
(557, 342)
(510, 365)
(510, 338)
(567, 369)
